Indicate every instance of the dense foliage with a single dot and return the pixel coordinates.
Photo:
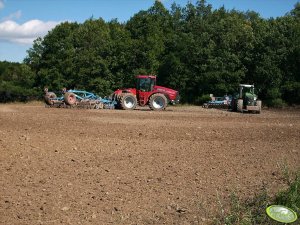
(194, 49)
(16, 82)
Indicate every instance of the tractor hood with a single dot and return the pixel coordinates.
(164, 90)
(251, 96)
(172, 94)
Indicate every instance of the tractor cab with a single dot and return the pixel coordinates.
(246, 89)
(248, 95)
(145, 83)
(144, 88)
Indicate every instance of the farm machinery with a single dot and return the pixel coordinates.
(246, 100)
(145, 93)
(218, 102)
(77, 98)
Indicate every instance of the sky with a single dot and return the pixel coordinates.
(22, 21)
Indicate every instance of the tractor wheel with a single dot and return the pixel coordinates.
(48, 97)
(233, 105)
(158, 102)
(70, 98)
(258, 103)
(240, 105)
(128, 101)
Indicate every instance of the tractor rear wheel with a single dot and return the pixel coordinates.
(233, 105)
(128, 101)
(70, 98)
(240, 105)
(158, 102)
(48, 97)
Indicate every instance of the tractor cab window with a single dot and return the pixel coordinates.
(145, 84)
(248, 91)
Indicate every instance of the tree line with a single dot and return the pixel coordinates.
(195, 49)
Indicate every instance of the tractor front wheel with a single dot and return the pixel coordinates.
(240, 105)
(70, 98)
(128, 101)
(258, 103)
(158, 102)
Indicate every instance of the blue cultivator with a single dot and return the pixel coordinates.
(218, 102)
(78, 99)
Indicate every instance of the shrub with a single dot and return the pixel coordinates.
(202, 99)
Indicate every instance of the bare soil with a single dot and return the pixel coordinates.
(77, 166)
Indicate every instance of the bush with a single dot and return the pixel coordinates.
(277, 103)
(11, 93)
(291, 92)
(202, 99)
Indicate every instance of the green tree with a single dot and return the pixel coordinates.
(149, 31)
(16, 82)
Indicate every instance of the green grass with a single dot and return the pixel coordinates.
(253, 211)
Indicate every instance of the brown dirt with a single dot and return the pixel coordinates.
(68, 166)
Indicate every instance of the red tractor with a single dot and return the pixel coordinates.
(145, 93)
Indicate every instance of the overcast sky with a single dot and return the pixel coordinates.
(21, 22)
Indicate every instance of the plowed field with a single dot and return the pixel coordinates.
(77, 166)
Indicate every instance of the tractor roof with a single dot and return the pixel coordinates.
(246, 85)
(146, 76)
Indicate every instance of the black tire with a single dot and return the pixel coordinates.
(48, 97)
(233, 105)
(70, 98)
(128, 101)
(158, 102)
(240, 105)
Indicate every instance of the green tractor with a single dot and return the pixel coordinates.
(246, 100)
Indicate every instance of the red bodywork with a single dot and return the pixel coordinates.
(144, 96)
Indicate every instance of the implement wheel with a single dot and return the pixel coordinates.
(158, 102)
(128, 101)
(70, 98)
(48, 97)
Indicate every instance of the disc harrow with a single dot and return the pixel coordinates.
(77, 99)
